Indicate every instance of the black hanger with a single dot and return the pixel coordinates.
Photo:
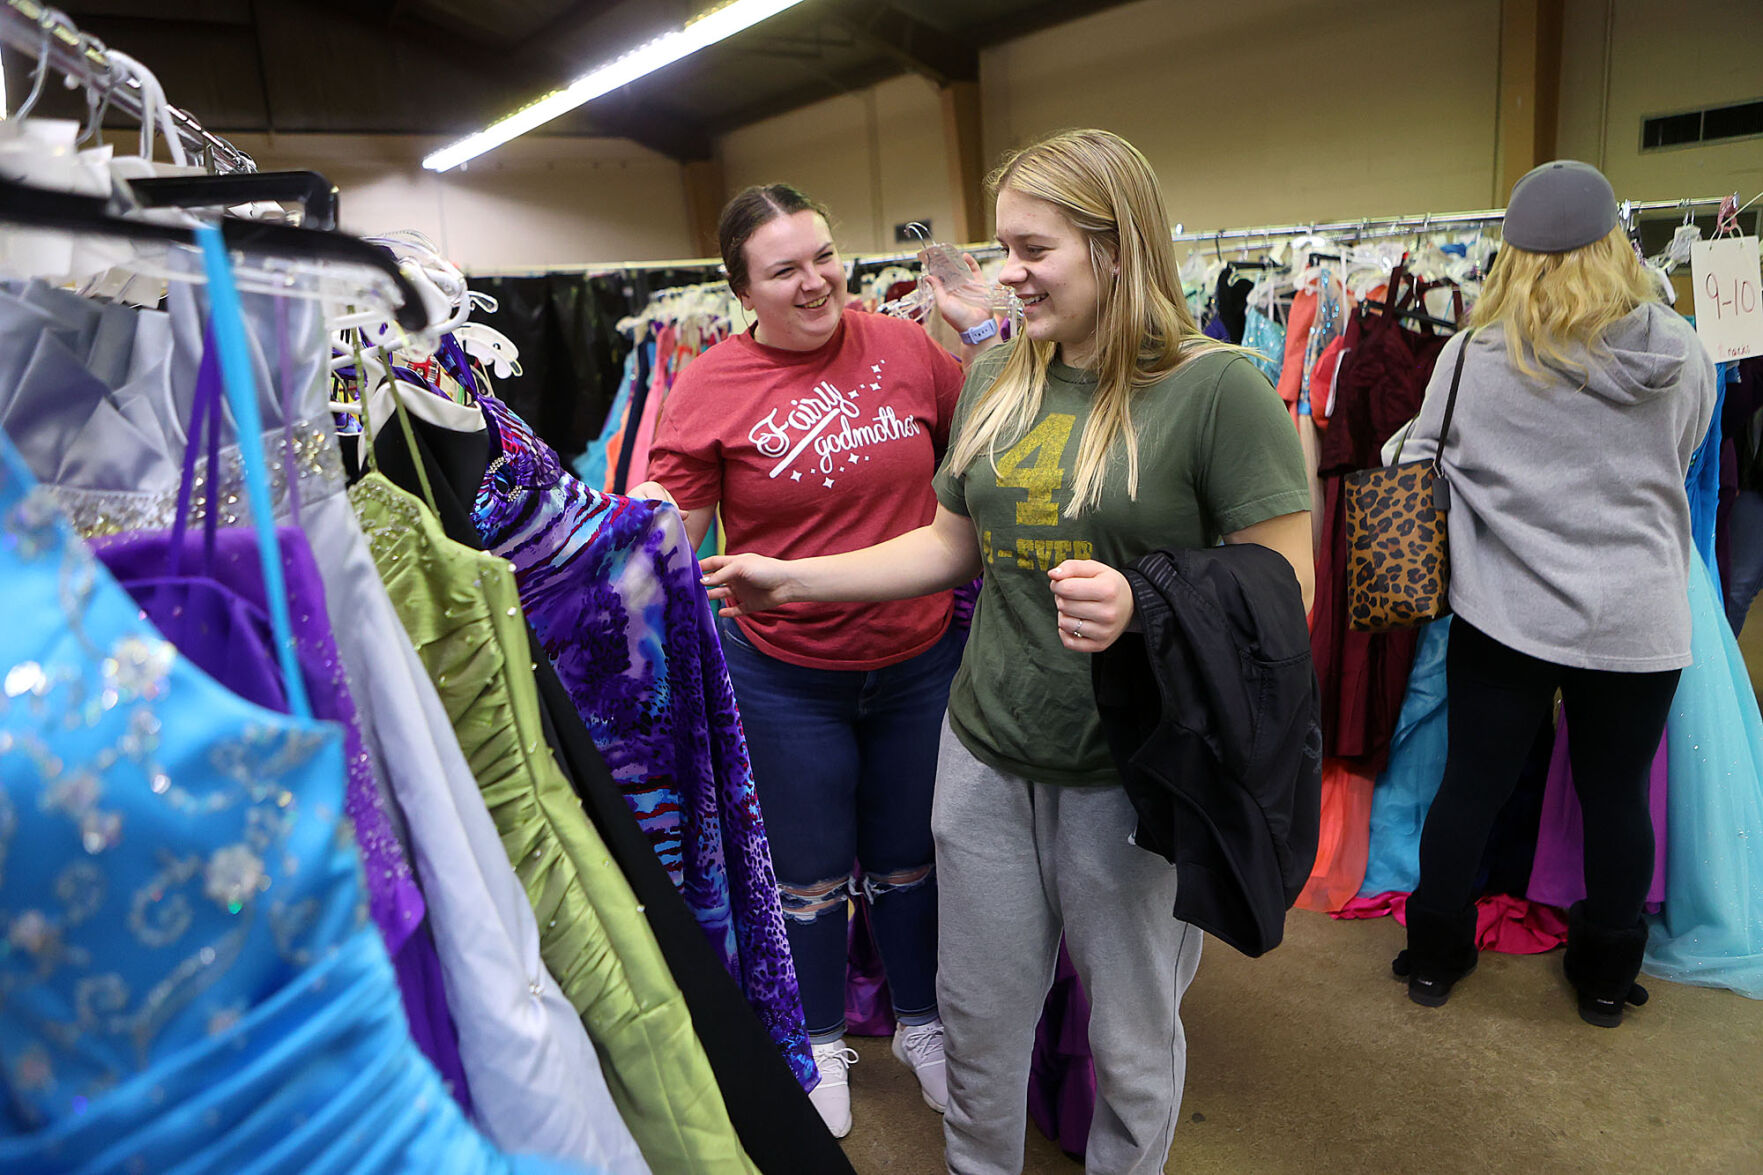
(33, 207)
(1413, 315)
(1315, 257)
(315, 194)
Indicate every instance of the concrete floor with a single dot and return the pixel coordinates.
(1312, 1061)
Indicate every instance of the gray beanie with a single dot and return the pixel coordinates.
(1559, 207)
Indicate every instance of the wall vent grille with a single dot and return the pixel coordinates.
(1741, 120)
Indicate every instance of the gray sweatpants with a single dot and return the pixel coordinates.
(1017, 863)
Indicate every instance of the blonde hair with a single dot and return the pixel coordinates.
(1555, 307)
(1105, 188)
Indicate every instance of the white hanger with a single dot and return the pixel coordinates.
(421, 401)
(446, 296)
(154, 109)
(707, 302)
(423, 404)
(490, 347)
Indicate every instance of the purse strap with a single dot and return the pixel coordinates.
(1450, 409)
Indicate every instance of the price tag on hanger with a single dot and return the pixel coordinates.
(1729, 297)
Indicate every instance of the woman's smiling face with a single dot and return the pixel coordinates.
(795, 282)
(1049, 266)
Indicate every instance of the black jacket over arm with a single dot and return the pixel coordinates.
(1213, 715)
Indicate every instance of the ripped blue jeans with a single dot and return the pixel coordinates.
(845, 763)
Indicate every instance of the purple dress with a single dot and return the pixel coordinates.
(610, 586)
(1557, 873)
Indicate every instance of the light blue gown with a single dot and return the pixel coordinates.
(1268, 337)
(1411, 777)
(189, 983)
(1711, 930)
(590, 467)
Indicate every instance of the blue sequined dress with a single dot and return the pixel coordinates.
(189, 982)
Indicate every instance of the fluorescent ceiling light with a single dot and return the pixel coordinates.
(664, 50)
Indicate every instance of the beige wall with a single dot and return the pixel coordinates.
(536, 202)
(875, 159)
(1627, 60)
(1252, 112)
(1229, 102)
(1273, 111)
(1265, 111)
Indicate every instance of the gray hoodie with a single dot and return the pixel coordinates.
(1569, 524)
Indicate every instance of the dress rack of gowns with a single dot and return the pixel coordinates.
(1707, 797)
(461, 609)
(1379, 386)
(194, 983)
(205, 593)
(98, 408)
(779, 1128)
(610, 586)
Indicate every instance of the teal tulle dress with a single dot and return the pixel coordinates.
(1711, 930)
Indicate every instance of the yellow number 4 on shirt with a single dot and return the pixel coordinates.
(1047, 443)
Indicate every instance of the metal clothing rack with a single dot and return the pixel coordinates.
(51, 38)
(986, 249)
(1425, 222)
(1370, 226)
(593, 269)
(981, 250)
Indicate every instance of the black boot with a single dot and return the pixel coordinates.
(1441, 950)
(1602, 964)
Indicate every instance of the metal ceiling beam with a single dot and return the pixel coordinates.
(1039, 17)
(904, 43)
(643, 120)
(536, 61)
(432, 40)
(549, 35)
(907, 40)
(524, 76)
(817, 88)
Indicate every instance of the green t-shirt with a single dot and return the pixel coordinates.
(1217, 453)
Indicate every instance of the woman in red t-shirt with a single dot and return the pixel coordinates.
(818, 432)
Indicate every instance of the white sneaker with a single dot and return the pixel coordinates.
(921, 1047)
(832, 1097)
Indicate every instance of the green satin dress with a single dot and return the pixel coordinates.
(462, 611)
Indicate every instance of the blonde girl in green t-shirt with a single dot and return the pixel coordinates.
(1112, 428)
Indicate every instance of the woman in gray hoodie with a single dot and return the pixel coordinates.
(1582, 400)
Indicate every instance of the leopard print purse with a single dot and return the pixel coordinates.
(1398, 571)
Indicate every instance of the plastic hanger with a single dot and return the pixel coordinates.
(423, 403)
(23, 205)
(490, 347)
(316, 195)
(374, 368)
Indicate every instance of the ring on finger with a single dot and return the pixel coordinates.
(1078, 631)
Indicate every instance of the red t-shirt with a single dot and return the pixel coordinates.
(816, 453)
